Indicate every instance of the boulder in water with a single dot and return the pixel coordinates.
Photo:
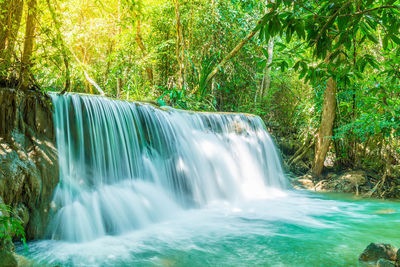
(398, 258)
(385, 263)
(385, 211)
(376, 251)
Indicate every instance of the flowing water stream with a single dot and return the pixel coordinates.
(144, 186)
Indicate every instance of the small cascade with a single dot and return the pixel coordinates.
(124, 165)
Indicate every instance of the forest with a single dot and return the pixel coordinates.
(324, 76)
(319, 71)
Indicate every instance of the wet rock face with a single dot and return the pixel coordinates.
(375, 251)
(28, 157)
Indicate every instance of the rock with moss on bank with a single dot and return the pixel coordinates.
(354, 182)
(383, 255)
(10, 259)
(28, 157)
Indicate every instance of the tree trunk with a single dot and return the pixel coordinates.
(5, 17)
(179, 45)
(108, 65)
(325, 130)
(353, 137)
(67, 74)
(266, 82)
(16, 10)
(214, 42)
(10, 33)
(28, 45)
(119, 86)
(63, 47)
(140, 43)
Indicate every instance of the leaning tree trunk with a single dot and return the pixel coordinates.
(28, 45)
(325, 130)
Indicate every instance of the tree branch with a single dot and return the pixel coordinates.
(233, 52)
(306, 8)
(330, 20)
(370, 10)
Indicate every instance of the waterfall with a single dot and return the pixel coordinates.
(124, 165)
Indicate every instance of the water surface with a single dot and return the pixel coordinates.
(293, 228)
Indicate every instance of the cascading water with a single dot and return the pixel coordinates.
(125, 165)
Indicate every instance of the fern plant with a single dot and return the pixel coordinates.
(10, 225)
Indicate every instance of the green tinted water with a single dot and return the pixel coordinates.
(288, 229)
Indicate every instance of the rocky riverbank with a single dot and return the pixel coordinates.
(357, 182)
(297, 157)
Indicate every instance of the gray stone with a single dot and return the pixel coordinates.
(376, 251)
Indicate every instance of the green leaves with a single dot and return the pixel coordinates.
(395, 39)
(328, 25)
(10, 224)
(173, 96)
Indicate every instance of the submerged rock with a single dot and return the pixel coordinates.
(385, 211)
(398, 258)
(385, 263)
(376, 251)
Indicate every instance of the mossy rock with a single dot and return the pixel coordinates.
(375, 251)
(7, 259)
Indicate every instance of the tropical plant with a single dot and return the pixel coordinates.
(10, 225)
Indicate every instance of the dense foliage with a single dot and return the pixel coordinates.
(283, 60)
(10, 225)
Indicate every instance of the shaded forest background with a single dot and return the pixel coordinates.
(324, 75)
